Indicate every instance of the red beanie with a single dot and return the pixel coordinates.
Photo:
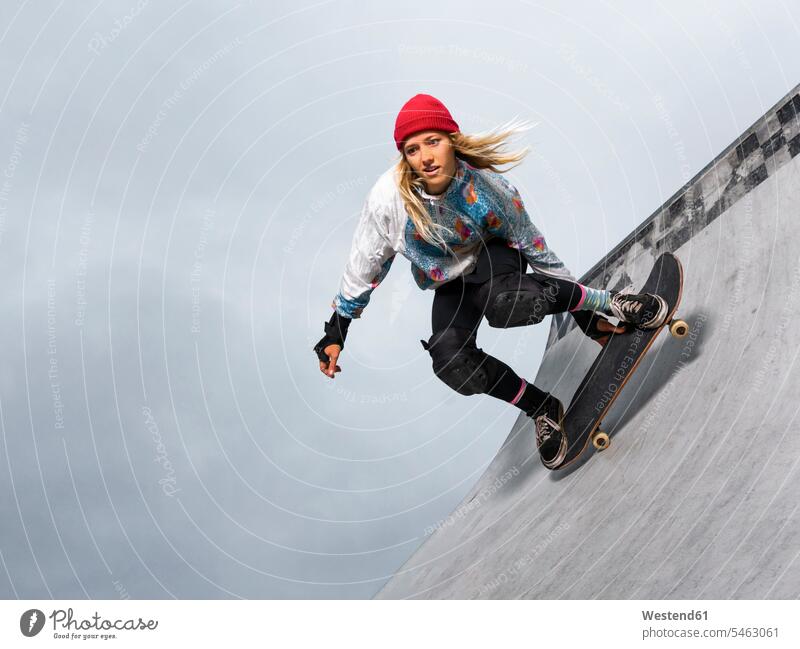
(422, 113)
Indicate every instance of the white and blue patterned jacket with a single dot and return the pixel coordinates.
(478, 205)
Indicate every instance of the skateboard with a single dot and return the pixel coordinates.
(617, 362)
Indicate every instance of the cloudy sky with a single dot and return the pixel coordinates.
(180, 183)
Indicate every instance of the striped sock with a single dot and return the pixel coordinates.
(593, 299)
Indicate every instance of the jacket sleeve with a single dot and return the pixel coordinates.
(370, 259)
(515, 226)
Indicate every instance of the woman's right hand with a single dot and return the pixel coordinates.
(330, 368)
(331, 344)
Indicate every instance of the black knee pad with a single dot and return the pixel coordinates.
(513, 300)
(457, 361)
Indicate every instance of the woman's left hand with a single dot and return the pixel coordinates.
(604, 326)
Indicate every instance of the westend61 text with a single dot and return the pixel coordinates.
(670, 615)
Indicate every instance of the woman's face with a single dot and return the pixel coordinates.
(432, 157)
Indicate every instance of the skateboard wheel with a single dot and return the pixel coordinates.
(679, 328)
(600, 440)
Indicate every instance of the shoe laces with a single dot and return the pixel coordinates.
(546, 428)
(628, 304)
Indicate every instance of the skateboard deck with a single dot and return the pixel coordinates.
(617, 362)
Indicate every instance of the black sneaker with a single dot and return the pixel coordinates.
(550, 440)
(644, 310)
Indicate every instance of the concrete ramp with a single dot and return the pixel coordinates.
(698, 495)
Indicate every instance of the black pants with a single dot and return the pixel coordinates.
(458, 304)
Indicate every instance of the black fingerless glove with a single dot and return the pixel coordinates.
(335, 333)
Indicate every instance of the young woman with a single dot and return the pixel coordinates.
(446, 207)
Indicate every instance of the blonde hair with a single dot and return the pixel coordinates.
(485, 150)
